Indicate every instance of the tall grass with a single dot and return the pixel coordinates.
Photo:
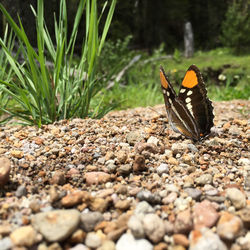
(65, 90)
(5, 70)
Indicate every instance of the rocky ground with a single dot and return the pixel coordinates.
(126, 181)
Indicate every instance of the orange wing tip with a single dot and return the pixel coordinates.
(190, 80)
(164, 82)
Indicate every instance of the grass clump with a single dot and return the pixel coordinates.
(45, 94)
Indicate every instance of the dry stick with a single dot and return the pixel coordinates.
(132, 62)
(122, 72)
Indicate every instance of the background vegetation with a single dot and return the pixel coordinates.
(85, 75)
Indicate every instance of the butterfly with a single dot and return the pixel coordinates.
(191, 112)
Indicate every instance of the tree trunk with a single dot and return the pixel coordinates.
(188, 40)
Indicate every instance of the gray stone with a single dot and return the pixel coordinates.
(93, 240)
(194, 193)
(162, 169)
(89, 220)
(21, 191)
(237, 198)
(136, 227)
(146, 195)
(127, 241)
(192, 148)
(56, 225)
(154, 227)
(111, 166)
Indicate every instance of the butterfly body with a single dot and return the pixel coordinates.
(191, 112)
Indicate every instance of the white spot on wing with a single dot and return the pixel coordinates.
(168, 94)
(164, 91)
(190, 92)
(182, 90)
(170, 101)
(188, 100)
(189, 106)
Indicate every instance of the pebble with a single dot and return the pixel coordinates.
(182, 203)
(17, 154)
(93, 240)
(245, 216)
(122, 156)
(5, 167)
(143, 207)
(93, 178)
(24, 236)
(204, 215)
(153, 227)
(21, 191)
(107, 245)
(58, 178)
(161, 246)
(127, 241)
(139, 163)
(205, 239)
(123, 204)
(194, 193)
(146, 195)
(136, 226)
(204, 179)
(162, 169)
(229, 226)
(179, 148)
(244, 241)
(110, 164)
(172, 188)
(76, 247)
(146, 147)
(183, 222)
(181, 239)
(56, 225)
(237, 198)
(90, 220)
(116, 234)
(78, 236)
(124, 170)
(244, 162)
(72, 199)
(6, 243)
(170, 198)
(99, 204)
(153, 139)
(133, 137)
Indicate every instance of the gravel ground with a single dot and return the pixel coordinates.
(126, 181)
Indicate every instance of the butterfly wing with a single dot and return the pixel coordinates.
(179, 117)
(194, 96)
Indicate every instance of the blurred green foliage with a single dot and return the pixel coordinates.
(236, 27)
